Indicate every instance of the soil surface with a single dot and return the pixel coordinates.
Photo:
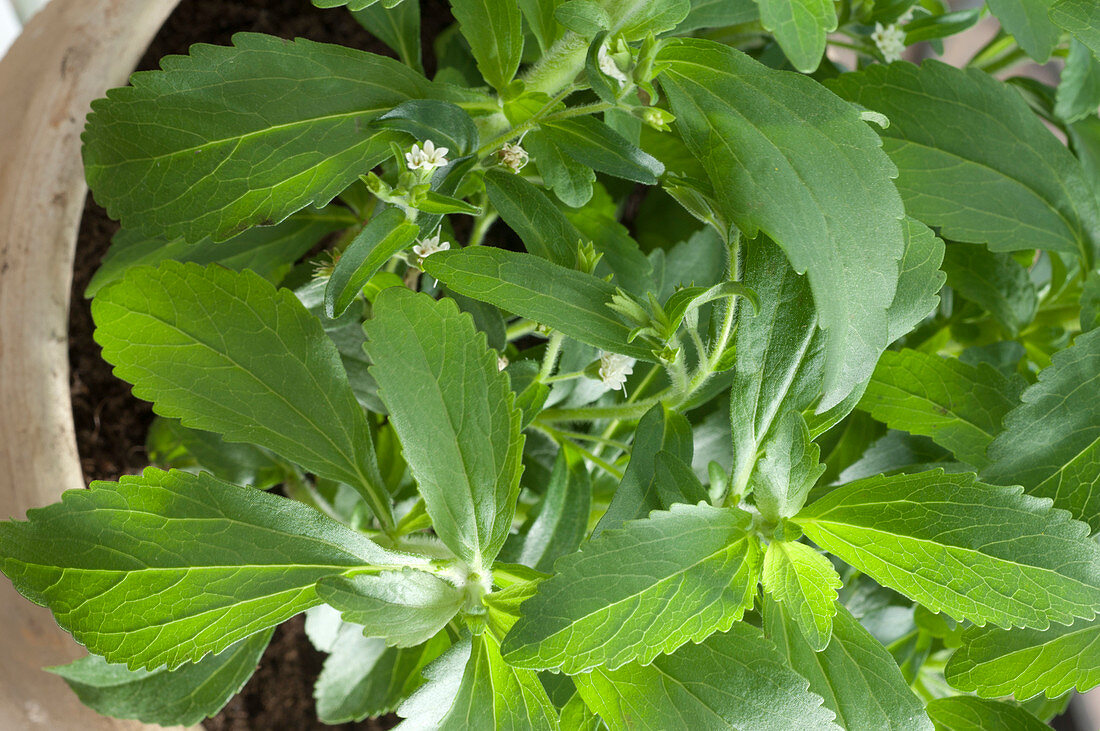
(111, 424)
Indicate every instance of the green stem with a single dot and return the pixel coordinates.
(595, 459)
(550, 357)
(482, 225)
(520, 328)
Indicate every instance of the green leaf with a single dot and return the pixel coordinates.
(919, 281)
(975, 161)
(733, 680)
(994, 662)
(805, 583)
(172, 445)
(570, 179)
(539, 15)
(167, 567)
(635, 19)
(179, 153)
(364, 678)
(622, 256)
(787, 469)
(800, 27)
(382, 237)
(717, 14)
(640, 591)
(963, 713)
(1090, 302)
(184, 696)
(957, 546)
(269, 251)
(404, 608)
(1051, 441)
(398, 27)
(594, 144)
(471, 687)
(352, 5)
(855, 674)
(544, 230)
(226, 352)
(827, 198)
(495, 34)
(446, 124)
(564, 299)
(1081, 18)
(1079, 90)
(959, 406)
(639, 492)
(455, 415)
(995, 282)
(562, 519)
(1029, 23)
(778, 354)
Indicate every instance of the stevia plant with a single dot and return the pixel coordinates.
(656, 371)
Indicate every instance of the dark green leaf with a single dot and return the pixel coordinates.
(267, 250)
(569, 178)
(805, 583)
(1026, 662)
(1079, 90)
(957, 546)
(184, 696)
(827, 198)
(167, 567)
(190, 151)
(975, 161)
(595, 145)
(598, 222)
(1081, 18)
(384, 235)
(544, 230)
(539, 15)
(404, 608)
(856, 676)
(443, 123)
(564, 299)
(962, 713)
(586, 17)
(1051, 441)
(562, 520)
(800, 27)
(995, 282)
(959, 406)
(454, 412)
(494, 31)
(919, 281)
(718, 13)
(640, 591)
(1029, 22)
(172, 445)
(226, 352)
(734, 680)
(398, 27)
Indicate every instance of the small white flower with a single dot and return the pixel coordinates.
(890, 40)
(513, 156)
(609, 67)
(614, 369)
(502, 362)
(429, 246)
(429, 158)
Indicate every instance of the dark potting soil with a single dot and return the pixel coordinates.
(111, 424)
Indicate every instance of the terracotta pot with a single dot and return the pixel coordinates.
(69, 54)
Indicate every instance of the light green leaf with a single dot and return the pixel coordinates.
(637, 18)
(398, 27)
(455, 415)
(1081, 18)
(226, 352)
(167, 567)
(586, 17)
(564, 299)
(805, 583)
(495, 34)
(382, 237)
(180, 154)
(787, 468)
(562, 520)
(855, 674)
(638, 494)
(1029, 23)
(364, 678)
(269, 251)
(826, 197)
(957, 546)
(403, 608)
(640, 591)
(995, 282)
(919, 280)
(957, 405)
(184, 696)
(1051, 441)
(1079, 89)
(963, 713)
(993, 662)
(735, 680)
(975, 161)
(594, 144)
(577, 716)
(471, 687)
(544, 230)
(800, 27)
